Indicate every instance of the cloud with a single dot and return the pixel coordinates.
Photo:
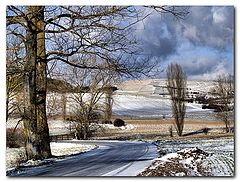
(158, 36)
(210, 26)
(202, 63)
(202, 43)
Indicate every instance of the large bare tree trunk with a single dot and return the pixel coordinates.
(35, 123)
(41, 89)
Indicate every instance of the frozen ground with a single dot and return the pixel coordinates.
(16, 156)
(209, 157)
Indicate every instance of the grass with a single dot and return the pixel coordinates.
(154, 129)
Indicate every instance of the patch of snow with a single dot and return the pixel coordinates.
(16, 156)
(180, 174)
(167, 157)
(111, 126)
(60, 149)
(184, 160)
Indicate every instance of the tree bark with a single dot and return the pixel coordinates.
(41, 88)
(35, 121)
(108, 105)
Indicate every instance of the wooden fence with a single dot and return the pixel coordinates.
(69, 136)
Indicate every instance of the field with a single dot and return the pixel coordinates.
(159, 128)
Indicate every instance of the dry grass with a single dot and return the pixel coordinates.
(159, 128)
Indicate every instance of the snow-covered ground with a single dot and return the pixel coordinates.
(186, 162)
(111, 126)
(154, 106)
(58, 127)
(212, 157)
(16, 156)
(159, 85)
(149, 98)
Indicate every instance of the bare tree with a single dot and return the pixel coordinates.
(72, 34)
(87, 102)
(176, 85)
(224, 91)
(14, 77)
(27, 24)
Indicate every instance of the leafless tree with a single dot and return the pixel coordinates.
(72, 34)
(14, 86)
(224, 91)
(14, 77)
(87, 102)
(176, 85)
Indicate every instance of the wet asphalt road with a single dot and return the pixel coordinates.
(111, 158)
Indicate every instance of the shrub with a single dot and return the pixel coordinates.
(107, 122)
(15, 139)
(118, 122)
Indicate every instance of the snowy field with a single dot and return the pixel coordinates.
(154, 107)
(148, 98)
(141, 99)
(212, 157)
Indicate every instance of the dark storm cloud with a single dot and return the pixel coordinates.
(205, 25)
(202, 43)
(198, 63)
(158, 37)
(211, 26)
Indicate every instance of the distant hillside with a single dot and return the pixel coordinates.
(53, 85)
(158, 86)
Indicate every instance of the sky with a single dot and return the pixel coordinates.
(202, 43)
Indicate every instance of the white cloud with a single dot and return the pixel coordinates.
(190, 32)
(219, 14)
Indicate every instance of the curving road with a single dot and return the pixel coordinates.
(111, 158)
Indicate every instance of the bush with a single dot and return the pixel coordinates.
(107, 122)
(15, 139)
(118, 122)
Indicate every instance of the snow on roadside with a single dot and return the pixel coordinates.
(186, 162)
(212, 157)
(16, 156)
(60, 149)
